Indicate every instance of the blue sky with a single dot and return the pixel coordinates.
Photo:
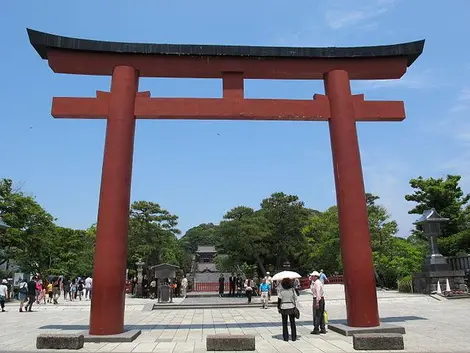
(200, 169)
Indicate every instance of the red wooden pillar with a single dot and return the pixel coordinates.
(110, 262)
(356, 251)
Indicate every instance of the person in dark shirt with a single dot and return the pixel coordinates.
(233, 283)
(31, 294)
(221, 285)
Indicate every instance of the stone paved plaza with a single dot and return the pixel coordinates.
(431, 325)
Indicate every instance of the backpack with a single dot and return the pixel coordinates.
(23, 287)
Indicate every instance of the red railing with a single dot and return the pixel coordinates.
(210, 287)
(304, 284)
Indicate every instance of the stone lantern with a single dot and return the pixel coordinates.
(435, 269)
(140, 268)
(286, 265)
(431, 222)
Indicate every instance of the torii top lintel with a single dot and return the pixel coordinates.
(90, 57)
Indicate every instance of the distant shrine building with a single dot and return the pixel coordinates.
(204, 269)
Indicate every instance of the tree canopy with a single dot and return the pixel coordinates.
(281, 230)
(447, 197)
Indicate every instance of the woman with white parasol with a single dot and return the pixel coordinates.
(287, 302)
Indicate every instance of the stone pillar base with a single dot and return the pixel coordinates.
(126, 336)
(345, 330)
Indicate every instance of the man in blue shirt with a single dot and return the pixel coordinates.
(264, 289)
(323, 277)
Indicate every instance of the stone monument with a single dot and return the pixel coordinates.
(435, 268)
(140, 268)
(163, 272)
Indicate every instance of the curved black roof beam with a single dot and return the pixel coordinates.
(43, 42)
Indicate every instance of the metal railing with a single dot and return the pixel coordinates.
(214, 286)
(209, 287)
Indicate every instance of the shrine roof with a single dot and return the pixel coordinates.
(206, 249)
(44, 42)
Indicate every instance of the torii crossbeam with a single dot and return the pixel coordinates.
(126, 62)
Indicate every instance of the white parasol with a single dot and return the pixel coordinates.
(285, 274)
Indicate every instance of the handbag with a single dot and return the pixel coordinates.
(296, 311)
(325, 317)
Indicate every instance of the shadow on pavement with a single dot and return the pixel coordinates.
(393, 319)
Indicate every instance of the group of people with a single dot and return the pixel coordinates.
(49, 290)
(287, 305)
(179, 286)
(239, 287)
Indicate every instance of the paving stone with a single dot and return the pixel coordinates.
(59, 341)
(230, 343)
(378, 341)
(421, 316)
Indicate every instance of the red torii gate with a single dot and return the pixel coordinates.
(126, 62)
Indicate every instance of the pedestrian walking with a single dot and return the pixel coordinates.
(249, 284)
(269, 280)
(56, 284)
(221, 285)
(88, 287)
(23, 293)
(80, 289)
(264, 289)
(323, 277)
(287, 307)
(239, 283)
(49, 292)
(233, 283)
(297, 286)
(31, 296)
(3, 294)
(66, 287)
(184, 286)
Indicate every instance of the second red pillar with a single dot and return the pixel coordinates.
(356, 251)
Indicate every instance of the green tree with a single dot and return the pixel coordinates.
(323, 250)
(447, 197)
(323, 247)
(400, 259)
(70, 252)
(245, 236)
(28, 241)
(286, 216)
(203, 234)
(381, 227)
(153, 235)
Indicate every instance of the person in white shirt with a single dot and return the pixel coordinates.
(318, 304)
(88, 287)
(3, 294)
(184, 286)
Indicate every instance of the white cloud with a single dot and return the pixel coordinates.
(456, 129)
(463, 101)
(411, 80)
(345, 16)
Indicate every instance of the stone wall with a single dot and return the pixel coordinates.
(426, 282)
